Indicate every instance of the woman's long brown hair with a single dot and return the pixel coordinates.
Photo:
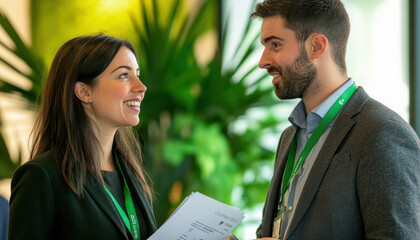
(64, 129)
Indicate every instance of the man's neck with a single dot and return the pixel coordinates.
(320, 90)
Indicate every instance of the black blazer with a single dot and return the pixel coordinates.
(42, 206)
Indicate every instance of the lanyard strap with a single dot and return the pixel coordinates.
(131, 223)
(320, 129)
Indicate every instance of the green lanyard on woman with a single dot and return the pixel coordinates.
(130, 222)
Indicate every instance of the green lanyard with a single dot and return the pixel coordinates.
(131, 223)
(320, 129)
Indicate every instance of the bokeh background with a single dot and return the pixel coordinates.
(210, 121)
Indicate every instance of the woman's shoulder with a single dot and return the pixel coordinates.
(42, 164)
(44, 159)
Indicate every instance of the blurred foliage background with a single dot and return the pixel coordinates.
(205, 118)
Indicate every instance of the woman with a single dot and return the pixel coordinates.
(84, 177)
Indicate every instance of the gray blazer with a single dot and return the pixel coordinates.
(364, 184)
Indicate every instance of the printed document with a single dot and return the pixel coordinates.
(199, 217)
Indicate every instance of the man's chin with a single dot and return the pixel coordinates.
(281, 95)
(284, 95)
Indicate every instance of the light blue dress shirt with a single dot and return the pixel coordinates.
(306, 125)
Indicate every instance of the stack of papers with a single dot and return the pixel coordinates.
(199, 217)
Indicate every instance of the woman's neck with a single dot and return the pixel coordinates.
(106, 157)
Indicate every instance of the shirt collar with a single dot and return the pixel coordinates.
(298, 117)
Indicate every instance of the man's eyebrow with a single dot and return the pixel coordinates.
(267, 39)
(126, 67)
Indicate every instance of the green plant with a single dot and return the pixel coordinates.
(27, 55)
(189, 108)
(28, 96)
(7, 164)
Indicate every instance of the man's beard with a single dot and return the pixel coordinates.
(295, 78)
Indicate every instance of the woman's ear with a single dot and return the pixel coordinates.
(83, 92)
(318, 45)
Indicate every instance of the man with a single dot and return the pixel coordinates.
(348, 167)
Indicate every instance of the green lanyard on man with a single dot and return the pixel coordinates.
(291, 168)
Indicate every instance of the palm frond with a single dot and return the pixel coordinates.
(30, 96)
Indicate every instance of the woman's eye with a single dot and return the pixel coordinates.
(124, 76)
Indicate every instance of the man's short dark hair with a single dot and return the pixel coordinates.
(306, 17)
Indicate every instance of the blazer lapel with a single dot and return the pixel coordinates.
(139, 197)
(338, 132)
(97, 192)
(275, 186)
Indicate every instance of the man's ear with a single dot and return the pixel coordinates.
(318, 44)
(83, 92)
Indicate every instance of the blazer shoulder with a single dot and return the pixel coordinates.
(372, 116)
(43, 163)
(45, 158)
(379, 117)
(365, 108)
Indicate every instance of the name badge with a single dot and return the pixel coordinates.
(277, 225)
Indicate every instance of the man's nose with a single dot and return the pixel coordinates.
(265, 61)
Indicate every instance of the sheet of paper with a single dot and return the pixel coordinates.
(199, 217)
